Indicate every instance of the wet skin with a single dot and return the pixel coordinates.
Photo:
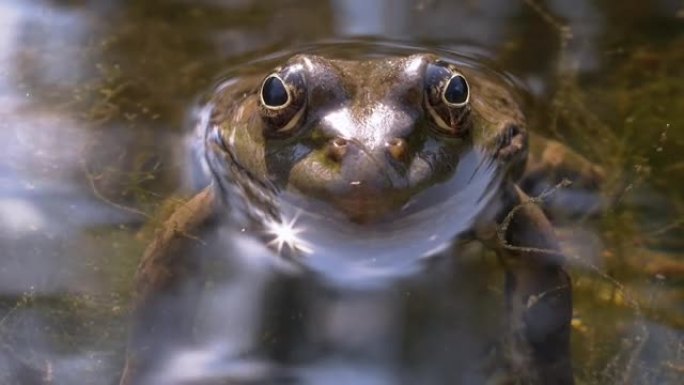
(361, 139)
(365, 136)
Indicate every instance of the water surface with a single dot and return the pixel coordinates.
(97, 99)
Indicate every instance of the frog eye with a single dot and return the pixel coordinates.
(446, 98)
(274, 94)
(282, 100)
(456, 94)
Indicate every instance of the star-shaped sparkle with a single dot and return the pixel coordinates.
(286, 235)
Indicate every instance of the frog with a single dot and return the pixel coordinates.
(366, 143)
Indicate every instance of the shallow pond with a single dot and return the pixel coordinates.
(99, 98)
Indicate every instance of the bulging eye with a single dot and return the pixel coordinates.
(274, 94)
(282, 100)
(456, 92)
(446, 98)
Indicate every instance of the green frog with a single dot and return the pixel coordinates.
(389, 159)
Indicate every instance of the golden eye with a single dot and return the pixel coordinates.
(446, 98)
(456, 92)
(274, 93)
(282, 100)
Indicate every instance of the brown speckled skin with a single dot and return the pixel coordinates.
(368, 103)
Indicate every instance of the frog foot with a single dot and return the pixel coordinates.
(511, 143)
(551, 159)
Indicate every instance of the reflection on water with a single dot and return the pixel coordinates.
(95, 98)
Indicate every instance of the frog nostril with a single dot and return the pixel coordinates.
(396, 148)
(339, 142)
(337, 149)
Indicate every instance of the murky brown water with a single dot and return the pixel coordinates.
(97, 98)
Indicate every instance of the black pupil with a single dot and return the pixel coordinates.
(273, 92)
(456, 91)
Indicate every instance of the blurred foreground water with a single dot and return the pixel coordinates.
(97, 97)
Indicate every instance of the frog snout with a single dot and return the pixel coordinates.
(339, 147)
(377, 167)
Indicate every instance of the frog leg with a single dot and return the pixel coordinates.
(538, 292)
(163, 272)
(551, 163)
(554, 161)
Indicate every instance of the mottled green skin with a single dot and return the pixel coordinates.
(368, 104)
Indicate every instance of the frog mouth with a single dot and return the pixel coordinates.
(366, 207)
(358, 194)
(360, 202)
(369, 233)
(365, 203)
